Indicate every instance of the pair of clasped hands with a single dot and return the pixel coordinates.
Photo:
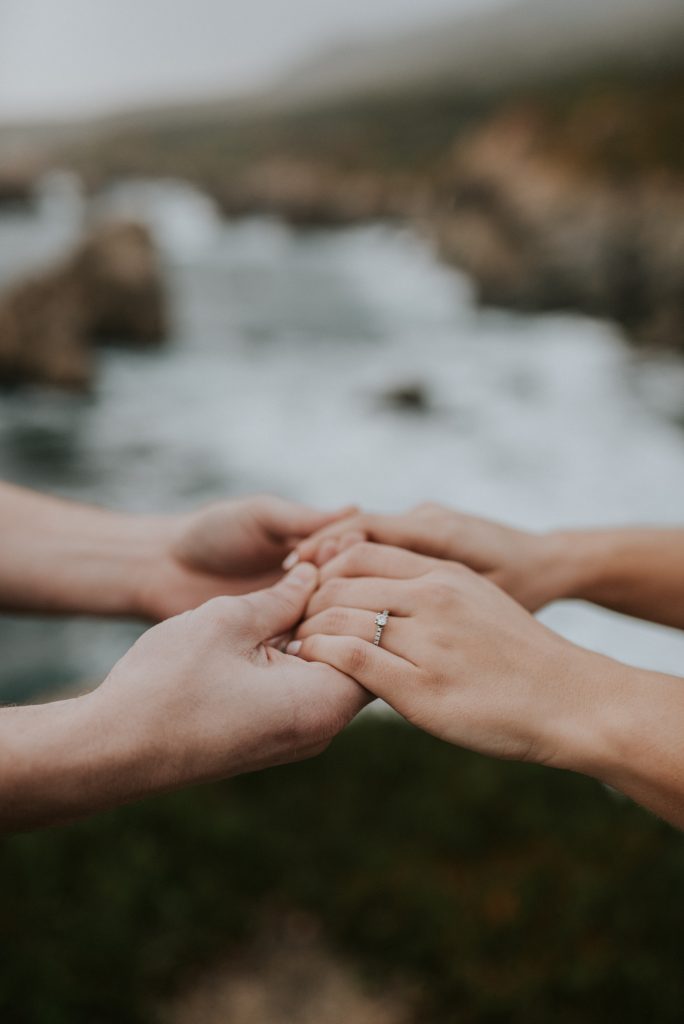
(272, 675)
(274, 672)
(264, 647)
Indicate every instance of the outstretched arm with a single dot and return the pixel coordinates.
(58, 556)
(463, 661)
(198, 697)
(637, 571)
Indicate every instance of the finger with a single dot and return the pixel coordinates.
(376, 669)
(283, 519)
(403, 531)
(280, 642)
(359, 623)
(309, 550)
(279, 608)
(373, 594)
(337, 694)
(348, 540)
(367, 559)
(326, 552)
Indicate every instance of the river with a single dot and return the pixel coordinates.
(284, 346)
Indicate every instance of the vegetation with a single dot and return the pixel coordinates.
(497, 892)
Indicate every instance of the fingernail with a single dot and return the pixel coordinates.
(294, 647)
(291, 560)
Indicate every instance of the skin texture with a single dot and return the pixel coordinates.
(462, 660)
(636, 571)
(61, 557)
(199, 697)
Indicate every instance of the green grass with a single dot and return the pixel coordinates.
(502, 892)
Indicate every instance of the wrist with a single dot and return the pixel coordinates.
(597, 733)
(63, 760)
(70, 558)
(572, 563)
(116, 562)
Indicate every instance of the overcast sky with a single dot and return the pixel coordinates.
(63, 57)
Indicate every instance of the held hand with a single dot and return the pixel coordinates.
(233, 547)
(527, 566)
(201, 696)
(458, 658)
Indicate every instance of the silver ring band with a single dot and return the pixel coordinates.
(380, 622)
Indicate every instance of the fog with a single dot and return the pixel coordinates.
(75, 57)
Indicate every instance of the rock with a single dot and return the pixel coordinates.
(410, 397)
(539, 231)
(313, 193)
(109, 289)
(17, 186)
(120, 277)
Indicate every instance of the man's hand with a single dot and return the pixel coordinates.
(61, 557)
(526, 565)
(232, 547)
(199, 697)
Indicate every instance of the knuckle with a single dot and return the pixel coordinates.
(220, 612)
(423, 588)
(357, 556)
(461, 577)
(442, 593)
(356, 657)
(311, 647)
(442, 640)
(336, 620)
(329, 592)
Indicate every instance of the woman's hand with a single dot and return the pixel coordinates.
(458, 658)
(199, 697)
(232, 547)
(466, 663)
(528, 566)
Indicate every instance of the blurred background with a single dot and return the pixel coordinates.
(271, 249)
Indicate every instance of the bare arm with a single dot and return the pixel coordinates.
(59, 556)
(199, 697)
(638, 572)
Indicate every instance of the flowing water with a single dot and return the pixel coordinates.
(284, 348)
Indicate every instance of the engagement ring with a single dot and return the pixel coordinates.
(380, 623)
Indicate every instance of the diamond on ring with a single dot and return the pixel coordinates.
(380, 622)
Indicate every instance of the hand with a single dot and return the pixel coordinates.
(458, 658)
(527, 566)
(233, 547)
(199, 697)
(205, 694)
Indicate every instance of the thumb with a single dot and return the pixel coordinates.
(279, 608)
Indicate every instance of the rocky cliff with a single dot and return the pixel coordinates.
(110, 289)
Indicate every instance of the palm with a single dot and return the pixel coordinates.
(229, 548)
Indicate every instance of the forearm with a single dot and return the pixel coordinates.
(628, 734)
(636, 571)
(64, 760)
(57, 556)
